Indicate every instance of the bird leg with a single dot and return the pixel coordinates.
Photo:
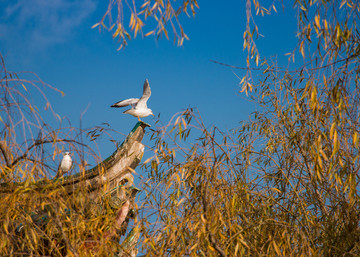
(139, 118)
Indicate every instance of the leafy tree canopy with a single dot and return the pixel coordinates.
(283, 183)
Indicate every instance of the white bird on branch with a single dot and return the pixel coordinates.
(65, 165)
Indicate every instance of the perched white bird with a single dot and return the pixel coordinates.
(65, 165)
(138, 106)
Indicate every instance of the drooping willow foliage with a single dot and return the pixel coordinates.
(38, 215)
(29, 145)
(284, 183)
(126, 19)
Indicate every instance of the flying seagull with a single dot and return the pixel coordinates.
(138, 106)
(65, 165)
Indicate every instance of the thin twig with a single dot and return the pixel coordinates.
(41, 142)
(278, 69)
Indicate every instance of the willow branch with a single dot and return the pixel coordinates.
(40, 142)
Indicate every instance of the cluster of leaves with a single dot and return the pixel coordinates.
(327, 31)
(285, 183)
(46, 221)
(164, 13)
(38, 216)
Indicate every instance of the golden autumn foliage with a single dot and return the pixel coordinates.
(40, 215)
(283, 183)
(160, 14)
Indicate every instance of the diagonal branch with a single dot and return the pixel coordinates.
(4, 152)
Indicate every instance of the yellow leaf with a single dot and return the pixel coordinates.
(303, 8)
(144, 4)
(193, 247)
(211, 248)
(356, 139)
(177, 120)
(132, 20)
(276, 190)
(136, 30)
(148, 160)
(335, 136)
(313, 94)
(154, 6)
(341, 162)
(336, 143)
(119, 28)
(320, 162)
(301, 48)
(236, 249)
(149, 33)
(131, 170)
(332, 130)
(277, 250)
(242, 80)
(95, 25)
(244, 243)
(184, 122)
(325, 24)
(249, 86)
(317, 21)
(323, 154)
(342, 4)
(274, 8)
(325, 80)
(202, 218)
(319, 140)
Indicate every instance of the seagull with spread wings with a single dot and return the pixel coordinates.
(139, 108)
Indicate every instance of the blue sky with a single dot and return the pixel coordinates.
(54, 39)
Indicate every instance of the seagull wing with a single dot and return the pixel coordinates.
(123, 103)
(146, 95)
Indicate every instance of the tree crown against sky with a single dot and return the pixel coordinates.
(284, 183)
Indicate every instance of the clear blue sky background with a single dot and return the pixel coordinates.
(54, 39)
